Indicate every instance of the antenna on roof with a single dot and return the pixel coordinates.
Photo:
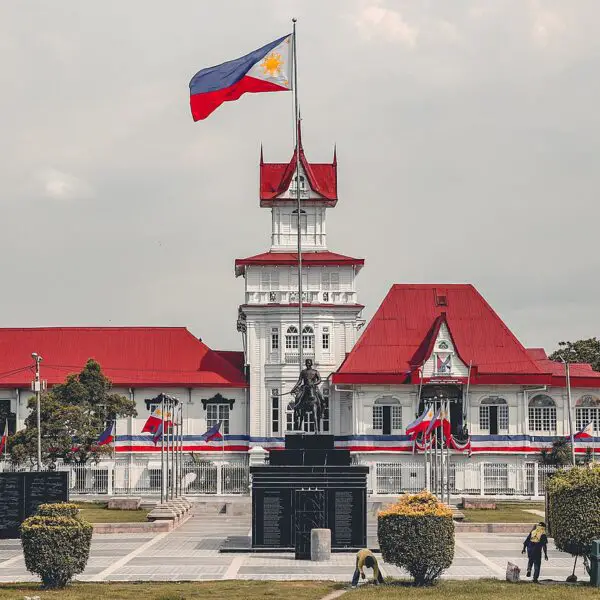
(335, 154)
(261, 154)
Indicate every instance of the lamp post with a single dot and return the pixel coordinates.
(37, 388)
(568, 382)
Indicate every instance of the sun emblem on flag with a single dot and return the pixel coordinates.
(271, 65)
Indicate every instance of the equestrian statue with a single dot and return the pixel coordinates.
(309, 399)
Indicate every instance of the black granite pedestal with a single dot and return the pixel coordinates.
(308, 485)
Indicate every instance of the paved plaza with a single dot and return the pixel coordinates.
(191, 552)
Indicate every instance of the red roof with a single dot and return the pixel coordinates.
(129, 356)
(310, 259)
(401, 334)
(275, 178)
(233, 357)
(558, 368)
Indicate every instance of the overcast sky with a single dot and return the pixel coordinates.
(468, 136)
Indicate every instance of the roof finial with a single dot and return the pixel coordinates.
(261, 154)
(335, 154)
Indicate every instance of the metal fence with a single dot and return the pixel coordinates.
(385, 478)
(465, 478)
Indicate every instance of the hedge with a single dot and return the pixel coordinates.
(56, 548)
(60, 509)
(574, 508)
(417, 534)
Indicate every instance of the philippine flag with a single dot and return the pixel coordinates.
(586, 432)
(106, 437)
(4, 438)
(155, 420)
(213, 433)
(421, 423)
(268, 69)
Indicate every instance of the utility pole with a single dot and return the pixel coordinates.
(37, 388)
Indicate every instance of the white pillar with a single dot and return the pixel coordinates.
(482, 479)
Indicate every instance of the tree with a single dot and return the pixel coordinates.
(559, 454)
(581, 351)
(73, 415)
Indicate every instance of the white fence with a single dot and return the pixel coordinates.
(465, 479)
(390, 478)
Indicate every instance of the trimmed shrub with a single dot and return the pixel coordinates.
(573, 513)
(417, 534)
(56, 548)
(60, 509)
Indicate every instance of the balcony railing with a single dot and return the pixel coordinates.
(294, 357)
(294, 192)
(291, 297)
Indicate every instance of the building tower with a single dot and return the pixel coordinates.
(268, 318)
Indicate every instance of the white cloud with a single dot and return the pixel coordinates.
(375, 20)
(62, 186)
(546, 25)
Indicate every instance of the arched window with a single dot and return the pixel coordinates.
(308, 338)
(493, 415)
(291, 338)
(387, 415)
(587, 409)
(302, 182)
(542, 414)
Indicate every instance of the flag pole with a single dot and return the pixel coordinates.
(297, 130)
(162, 450)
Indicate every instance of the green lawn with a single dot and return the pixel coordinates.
(506, 512)
(475, 590)
(96, 512)
(220, 590)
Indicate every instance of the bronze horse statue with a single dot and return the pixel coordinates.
(308, 403)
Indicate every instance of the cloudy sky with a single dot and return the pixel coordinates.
(468, 135)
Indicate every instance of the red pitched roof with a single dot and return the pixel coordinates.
(275, 178)
(558, 368)
(233, 357)
(401, 334)
(129, 356)
(310, 259)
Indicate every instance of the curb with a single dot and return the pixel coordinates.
(462, 527)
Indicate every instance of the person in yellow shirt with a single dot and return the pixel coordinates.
(365, 558)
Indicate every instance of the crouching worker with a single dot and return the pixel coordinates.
(365, 558)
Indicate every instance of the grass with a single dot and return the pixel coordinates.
(96, 512)
(215, 590)
(506, 512)
(475, 590)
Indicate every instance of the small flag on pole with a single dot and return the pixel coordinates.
(4, 438)
(106, 437)
(421, 423)
(213, 433)
(158, 434)
(586, 432)
(268, 69)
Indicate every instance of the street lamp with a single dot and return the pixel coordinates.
(37, 388)
(568, 381)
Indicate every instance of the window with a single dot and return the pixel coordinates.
(542, 414)
(330, 280)
(216, 413)
(308, 338)
(269, 280)
(295, 221)
(275, 410)
(302, 182)
(325, 338)
(387, 415)
(291, 338)
(587, 409)
(493, 415)
(274, 339)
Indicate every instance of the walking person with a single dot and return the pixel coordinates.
(365, 558)
(536, 541)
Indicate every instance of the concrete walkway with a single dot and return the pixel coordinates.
(192, 553)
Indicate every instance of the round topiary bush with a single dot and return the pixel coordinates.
(573, 509)
(56, 548)
(417, 534)
(59, 509)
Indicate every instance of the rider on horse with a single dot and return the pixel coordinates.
(308, 382)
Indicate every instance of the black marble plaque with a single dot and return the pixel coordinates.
(347, 518)
(11, 504)
(45, 487)
(272, 518)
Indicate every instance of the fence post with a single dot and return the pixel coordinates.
(373, 478)
(536, 482)
(219, 479)
(110, 478)
(426, 466)
(482, 479)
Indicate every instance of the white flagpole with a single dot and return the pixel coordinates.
(297, 130)
(162, 451)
